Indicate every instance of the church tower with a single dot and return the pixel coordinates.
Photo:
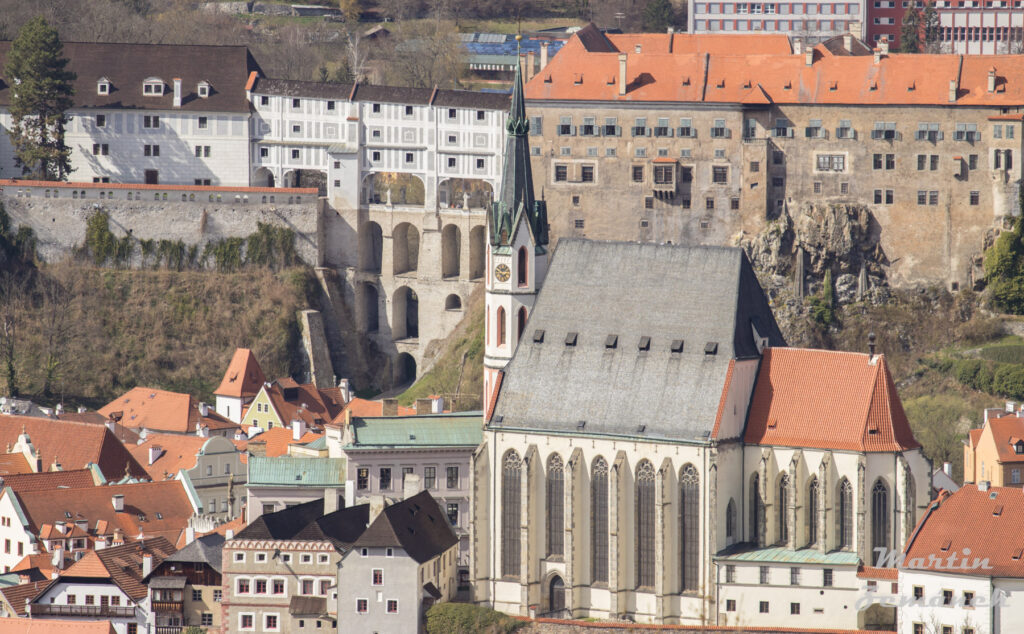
(517, 234)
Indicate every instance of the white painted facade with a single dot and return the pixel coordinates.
(64, 598)
(15, 538)
(810, 20)
(995, 29)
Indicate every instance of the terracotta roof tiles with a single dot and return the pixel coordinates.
(73, 444)
(177, 452)
(160, 410)
(278, 440)
(16, 595)
(243, 377)
(1006, 432)
(55, 626)
(74, 479)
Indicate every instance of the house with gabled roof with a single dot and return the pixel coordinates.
(185, 588)
(155, 410)
(995, 453)
(285, 403)
(242, 381)
(276, 483)
(45, 444)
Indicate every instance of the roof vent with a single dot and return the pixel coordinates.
(1017, 553)
(641, 429)
(946, 544)
(570, 340)
(645, 344)
(538, 336)
(711, 347)
(997, 511)
(677, 346)
(611, 342)
(581, 424)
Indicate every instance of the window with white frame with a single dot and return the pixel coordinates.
(247, 621)
(204, 89)
(153, 87)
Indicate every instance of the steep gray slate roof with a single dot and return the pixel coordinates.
(384, 94)
(699, 295)
(416, 524)
(126, 66)
(206, 549)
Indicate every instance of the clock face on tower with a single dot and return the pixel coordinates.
(502, 272)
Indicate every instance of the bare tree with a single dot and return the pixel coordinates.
(56, 299)
(12, 302)
(424, 55)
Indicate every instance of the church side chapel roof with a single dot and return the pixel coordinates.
(707, 298)
(827, 399)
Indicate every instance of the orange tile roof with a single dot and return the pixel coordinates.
(872, 572)
(14, 463)
(279, 438)
(74, 479)
(827, 400)
(54, 626)
(975, 437)
(178, 452)
(986, 522)
(160, 410)
(1006, 431)
(15, 596)
(725, 396)
(243, 377)
(305, 401)
(762, 69)
(73, 444)
(89, 566)
(43, 562)
(122, 564)
(148, 499)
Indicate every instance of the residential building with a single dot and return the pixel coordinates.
(280, 573)
(211, 469)
(242, 381)
(972, 27)
(150, 113)
(76, 521)
(697, 139)
(53, 626)
(279, 441)
(185, 588)
(146, 408)
(284, 403)
(962, 570)
(277, 483)
(105, 583)
(46, 480)
(810, 20)
(404, 562)
(995, 453)
(437, 449)
(44, 444)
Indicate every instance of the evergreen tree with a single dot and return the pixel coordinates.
(658, 15)
(910, 32)
(41, 93)
(932, 29)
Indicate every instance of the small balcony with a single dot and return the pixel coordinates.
(164, 607)
(168, 629)
(43, 609)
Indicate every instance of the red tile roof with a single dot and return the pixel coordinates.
(164, 506)
(14, 463)
(1006, 431)
(74, 479)
(243, 377)
(122, 564)
(986, 522)
(975, 436)
(725, 396)
(15, 596)
(54, 626)
(315, 406)
(762, 69)
(871, 572)
(160, 410)
(365, 408)
(73, 444)
(827, 400)
(177, 452)
(278, 439)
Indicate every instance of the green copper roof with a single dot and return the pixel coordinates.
(317, 445)
(516, 196)
(292, 471)
(459, 429)
(785, 556)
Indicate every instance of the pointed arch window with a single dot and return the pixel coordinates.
(730, 519)
(599, 521)
(756, 509)
(522, 323)
(510, 505)
(645, 524)
(812, 512)
(555, 506)
(500, 323)
(689, 514)
(879, 516)
(521, 270)
(844, 517)
(783, 505)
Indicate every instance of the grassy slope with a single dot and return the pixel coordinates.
(164, 329)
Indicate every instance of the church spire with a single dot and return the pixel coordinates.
(516, 199)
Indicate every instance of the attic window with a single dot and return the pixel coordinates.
(538, 336)
(581, 424)
(547, 79)
(577, 78)
(1017, 553)
(721, 84)
(686, 81)
(946, 544)
(912, 86)
(711, 347)
(833, 86)
(997, 511)
(611, 342)
(773, 423)
(1019, 447)
(645, 344)
(787, 86)
(159, 515)
(67, 514)
(204, 89)
(103, 87)
(570, 340)
(153, 87)
(611, 80)
(677, 346)
(874, 85)
(746, 84)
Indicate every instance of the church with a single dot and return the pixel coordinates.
(654, 452)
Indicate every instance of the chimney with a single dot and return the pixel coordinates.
(118, 502)
(884, 45)
(147, 564)
(60, 406)
(983, 485)
(423, 406)
(82, 409)
(177, 92)
(330, 501)
(346, 390)
(57, 561)
(809, 57)
(992, 79)
(229, 534)
(947, 468)
(671, 38)
(411, 485)
(543, 55)
(798, 46)
(855, 29)
(155, 452)
(298, 429)
(101, 542)
(118, 537)
(871, 346)
(350, 493)
(190, 534)
(848, 42)
(389, 407)
(376, 507)
(952, 90)
(204, 410)
(878, 55)
(436, 404)
(531, 59)
(1010, 406)
(622, 73)
(638, 49)
(257, 448)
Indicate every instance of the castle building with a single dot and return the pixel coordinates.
(703, 138)
(812, 20)
(676, 462)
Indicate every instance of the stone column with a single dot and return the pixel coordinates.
(824, 496)
(661, 508)
(862, 504)
(574, 492)
(528, 581)
(617, 523)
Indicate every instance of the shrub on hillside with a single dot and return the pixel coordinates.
(1008, 353)
(464, 618)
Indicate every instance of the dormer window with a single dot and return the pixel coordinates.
(103, 86)
(1019, 447)
(204, 89)
(153, 87)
